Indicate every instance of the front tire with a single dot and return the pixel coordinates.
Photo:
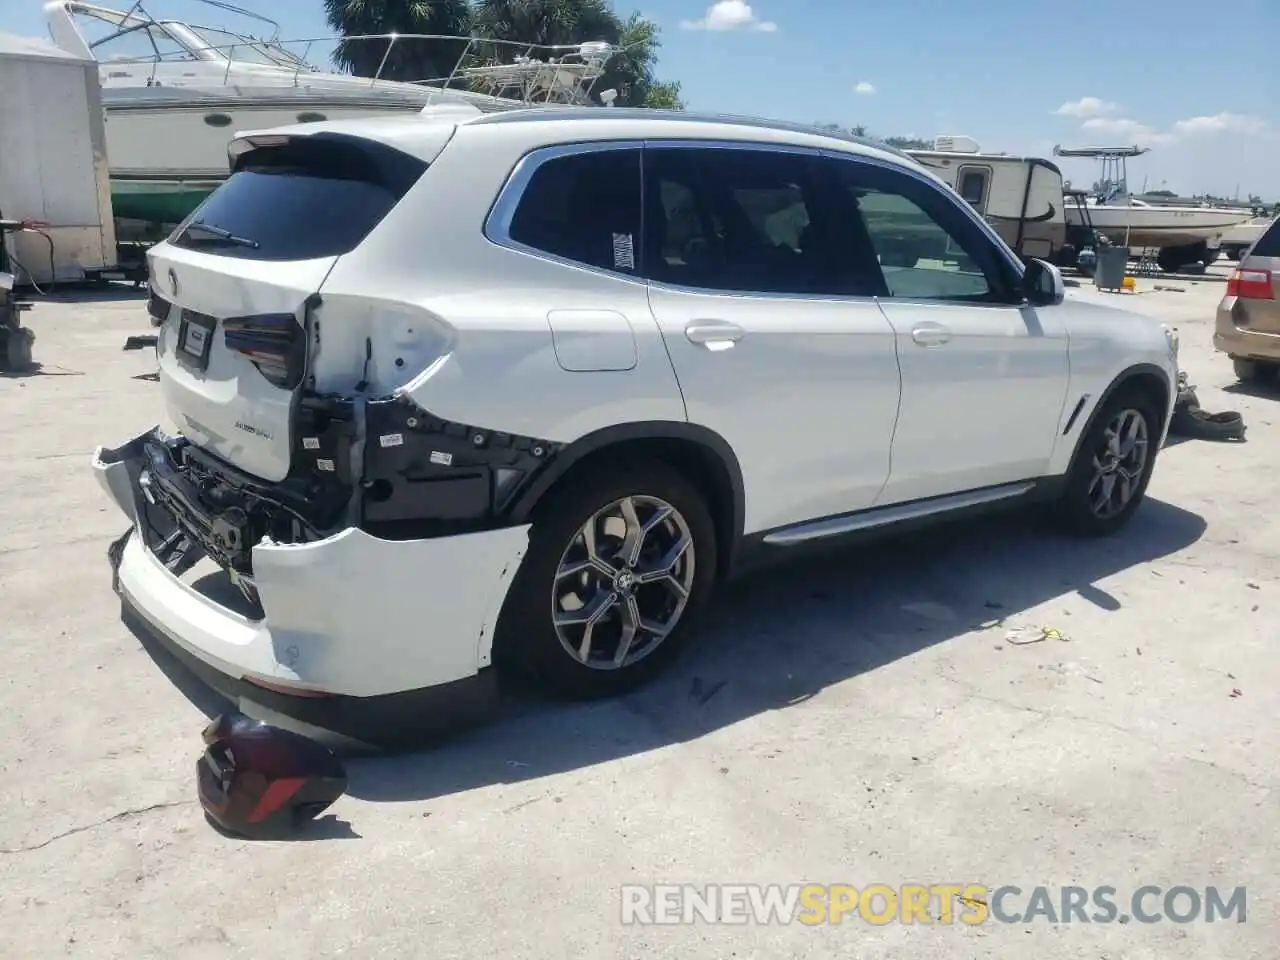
(1108, 477)
(620, 563)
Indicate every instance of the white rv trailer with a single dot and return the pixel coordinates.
(1021, 197)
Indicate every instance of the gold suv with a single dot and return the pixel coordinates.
(1248, 322)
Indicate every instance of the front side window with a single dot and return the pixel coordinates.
(925, 246)
(734, 220)
(584, 207)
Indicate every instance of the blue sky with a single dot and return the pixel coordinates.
(1017, 75)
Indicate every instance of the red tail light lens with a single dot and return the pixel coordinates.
(274, 342)
(1250, 284)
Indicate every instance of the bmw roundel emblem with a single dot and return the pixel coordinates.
(173, 282)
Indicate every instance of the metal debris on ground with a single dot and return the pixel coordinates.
(1023, 636)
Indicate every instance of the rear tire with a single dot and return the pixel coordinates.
(588, 561)
(1112, 466)
(1254, 371)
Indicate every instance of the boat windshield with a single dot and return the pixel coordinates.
(245, 50)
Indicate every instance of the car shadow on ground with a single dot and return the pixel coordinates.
(781, 636)
(774, 640)
(1263, 391)
(105, 292)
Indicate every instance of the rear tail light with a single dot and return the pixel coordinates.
(274, 342)
(1250, 284)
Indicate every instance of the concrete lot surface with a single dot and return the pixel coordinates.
(870, 718)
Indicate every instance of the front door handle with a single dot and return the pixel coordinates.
(930, 334)
(714, 334)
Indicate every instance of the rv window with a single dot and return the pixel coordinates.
(925, 246)
(972, 186)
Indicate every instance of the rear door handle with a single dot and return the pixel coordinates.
(714, 333)
(930, 334)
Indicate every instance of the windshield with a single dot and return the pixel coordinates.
(243, 50)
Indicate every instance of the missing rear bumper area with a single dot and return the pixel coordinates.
(336, 611)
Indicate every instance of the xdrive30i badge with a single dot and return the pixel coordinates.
(250, 428)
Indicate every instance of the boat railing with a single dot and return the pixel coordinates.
(500, 68)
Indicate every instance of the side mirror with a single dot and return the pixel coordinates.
(1042, 284)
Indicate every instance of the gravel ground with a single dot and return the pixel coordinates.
(864, 719)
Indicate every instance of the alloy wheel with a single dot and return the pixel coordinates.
(1119, 463)
(623, 582)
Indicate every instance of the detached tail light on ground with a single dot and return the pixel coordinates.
(1250, 284)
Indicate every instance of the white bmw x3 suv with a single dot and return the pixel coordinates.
(456, 392)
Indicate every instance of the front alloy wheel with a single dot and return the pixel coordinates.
(623, 582)
(1119, 464)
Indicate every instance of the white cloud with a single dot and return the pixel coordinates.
(730, 15)
(1126, 129)
(864, 88)
(1221, 123)
(1219, 153)
(1087, 107)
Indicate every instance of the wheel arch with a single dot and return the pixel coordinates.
(1150, 379)
(702, 454)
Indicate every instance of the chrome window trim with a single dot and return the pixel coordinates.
(497, 225)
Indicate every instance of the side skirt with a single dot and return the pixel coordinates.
(786, 544)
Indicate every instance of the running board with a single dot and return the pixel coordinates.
(883, 516)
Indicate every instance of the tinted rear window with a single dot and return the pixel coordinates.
(584, 207)
(313, 197)
(1268, 244)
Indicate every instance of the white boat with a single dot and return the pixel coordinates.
(1236, 240)
(1183, 235)
(176, 93)
(1146, 225)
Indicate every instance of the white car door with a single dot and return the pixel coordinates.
(984, 375)
(802, 383)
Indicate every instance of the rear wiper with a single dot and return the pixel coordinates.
(223, 234)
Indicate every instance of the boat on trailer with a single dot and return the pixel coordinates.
(1183, 235)
(176, 93)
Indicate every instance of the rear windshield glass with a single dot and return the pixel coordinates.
(1268, 244)
(314, 197)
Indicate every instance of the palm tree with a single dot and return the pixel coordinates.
(408, 59)
(550, 22)
(631, 72)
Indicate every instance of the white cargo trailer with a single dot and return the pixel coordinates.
(53, 163)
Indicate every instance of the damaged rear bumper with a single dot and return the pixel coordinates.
(347, 616)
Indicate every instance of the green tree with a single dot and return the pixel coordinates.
(547, 22)
(855, 131)
(907, 143)
(631, 71)
(411, 59)
(519, 23)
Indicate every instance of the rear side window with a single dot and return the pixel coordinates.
(735, 220)
(584, 207)
(312, 197)
(1268, 244)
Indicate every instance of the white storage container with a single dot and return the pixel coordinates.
(53, 162)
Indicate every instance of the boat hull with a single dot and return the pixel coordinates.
(185, 139)
(1158, 226)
